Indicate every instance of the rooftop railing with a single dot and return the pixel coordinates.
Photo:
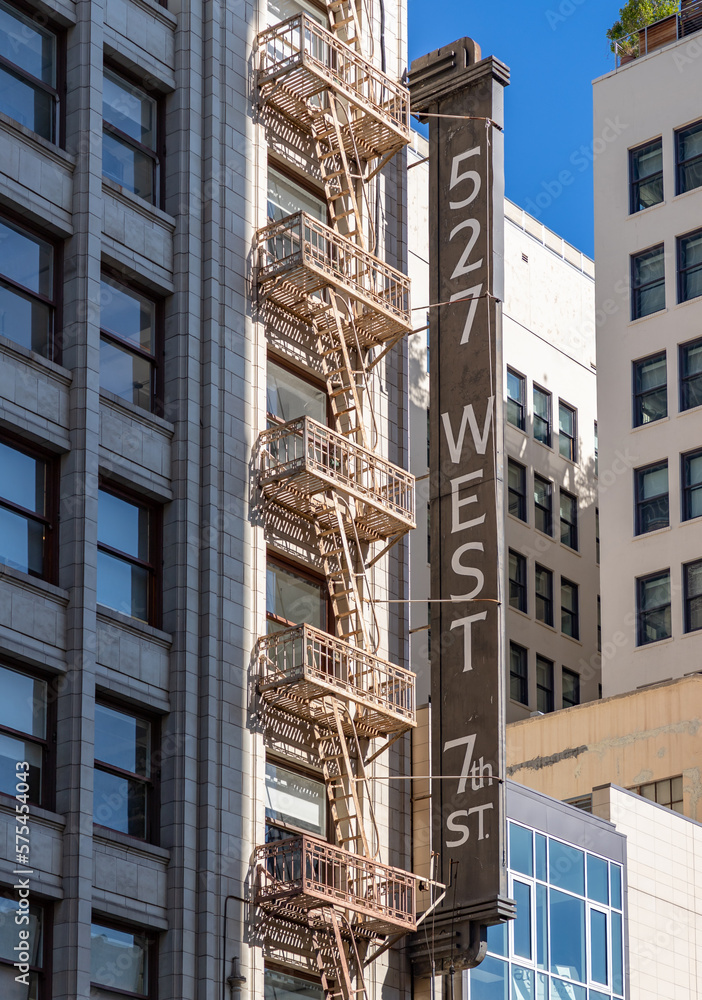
(303, 873)
(668, 29)
(302, 458)
(302, 667)
(300, 259)
(298, 54)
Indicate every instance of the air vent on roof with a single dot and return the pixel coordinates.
(525, 258)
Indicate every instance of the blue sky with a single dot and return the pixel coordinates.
(555, 49)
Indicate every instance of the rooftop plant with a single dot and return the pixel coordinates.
(633, 16)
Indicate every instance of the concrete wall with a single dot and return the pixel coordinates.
(645, 99)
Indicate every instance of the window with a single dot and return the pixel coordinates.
(544, 684)
(668, 792)
(597, 452)
(518, 674)
(692, 574)
(599, 624)
(517, 581)
(570, 618)
(286, 197)
(128, 343)
(28, 73)
(597, 535)
(123, 793)
(690, 266)
(28, 289)
(129, 140)
(23, 733)
(647, 282)
(688, 148)
(566, 432)
(653, 607)
(123, 960)
(543, 504)
(543, 579)
(516, 386)
(295, 803)
(571, 688)
(690, 362)
(646, 176)
(290, 396)
(650, 389)
(38, 947)
(652, 504)
(126, 567)
(569, 519)
(278, 985)
(27, 534)
(542, 416)
(516, 489)
(692, 485)
(293, 598)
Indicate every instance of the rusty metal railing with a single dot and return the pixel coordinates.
(302, 665)
(305, 872)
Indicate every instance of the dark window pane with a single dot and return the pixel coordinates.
(21, 543)
(522, 923)
(567, 925)
(569, 519)
(654, 608)
(119, 959)
(540, 854)
(648, 282)
(26, 259)
(27, 45)
(690, 263)
(521, 849)
(544, 685)
(571, 689)
(119, 803)
(597, 879)
(569, 609)
(127, 314)
(13, 749)
(599, 947)
(516, 488)
(541, 925)
(652, 501)
(27, 103)
(542, 416)
(566, 432)
(23, 703)
(129, 109)
(122, 740)
(515, 399)
(691, 375)
(615, 875)
(497, 939)
(123, 586)
(288, 396)
(567, 867)
(646, 165)
(543, 594)
(518, 674)
(127, 375)
(123, 525)
(9, 910)
(693, 596)
(293, 598)
(650, 390)
(131, 168)
(543, 504)
(617, 955)
(489, 981)
(281, 986)
(25, 320)
(517, 581)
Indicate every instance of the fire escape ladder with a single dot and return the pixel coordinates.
(340, 572)
(343, 386)
(335, 169)
(344, 771)
(345, 22)
(332, 962)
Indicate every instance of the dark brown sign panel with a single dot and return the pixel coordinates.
(462, 98)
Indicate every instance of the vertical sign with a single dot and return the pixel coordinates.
(461, 96)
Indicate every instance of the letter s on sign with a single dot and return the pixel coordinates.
(467, 175)
(455, 827)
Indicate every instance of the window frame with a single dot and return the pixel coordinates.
(597, 535)
(519, 403)
(521, 583)
(155, 360)
(522, 680)
(541, 689)
(45, 972)
(639, 395)
(576, 676)
(572, 526)
(270, 965)
(155, 565)
(641, 615)
(538, 597)
(635, 184)
(58, 92)
(681, 164)
(158, 153)
(152, 783)
(637, 289)
(295, 767)
(682, 272)
(685, 379)
(687, 598)
(522, 497)
(305, 376)
(639, 501)
(55, 304)
(114, 923)
(573, 614)
(547, 512)
(655, 785)
(50, 520)
(548, 421)
(48, 743)
(572, 455)
(305, 573)
(303, 181)
(687, 488)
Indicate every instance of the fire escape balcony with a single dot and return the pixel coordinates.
(298, 59)
(301, 874)
(302, 459)
(302, 667)
(300, 259)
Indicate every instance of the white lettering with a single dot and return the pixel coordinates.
(463, 267)
(457, 828)
(469, 742)
(457, 503)
(478, 772)
(466, 175)
(480, 439)
(467, 637)
(460, 570)
(474, 294)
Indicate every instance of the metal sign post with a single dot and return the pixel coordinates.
(461, 96)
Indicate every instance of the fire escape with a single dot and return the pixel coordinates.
(354, 307)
